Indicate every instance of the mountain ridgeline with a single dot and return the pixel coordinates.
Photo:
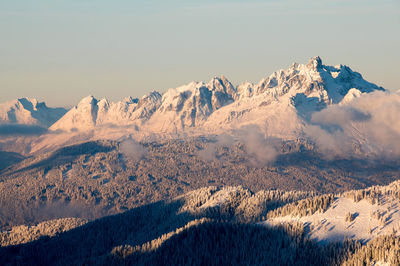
(300, 90)
(306, 87)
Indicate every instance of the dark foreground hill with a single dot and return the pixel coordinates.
(209, 226)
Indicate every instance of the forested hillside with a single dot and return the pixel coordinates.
(206, 226)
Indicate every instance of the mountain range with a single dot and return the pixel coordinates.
(282, 102)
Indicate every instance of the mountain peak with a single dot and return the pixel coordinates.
(223, 85)
(29, 103)
(130, 99)
(221, 78)
(153, 96)
(88, 100)
(29, 112)
(315, 63)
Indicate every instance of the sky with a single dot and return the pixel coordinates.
(60, 51)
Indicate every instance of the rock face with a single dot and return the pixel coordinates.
(29, 112)
(294, 94)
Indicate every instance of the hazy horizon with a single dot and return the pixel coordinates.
(62, 51)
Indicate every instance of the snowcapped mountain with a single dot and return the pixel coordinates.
(282, 102)
(191, 105)
(91, 112)
(29, 112)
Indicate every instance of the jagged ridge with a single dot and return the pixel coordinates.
(301, 89)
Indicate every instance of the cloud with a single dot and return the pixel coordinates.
(209, 152)
(261, 151)
(132, 150)
(339, 115)
(332, 143)
(21, 130)
(369, 126)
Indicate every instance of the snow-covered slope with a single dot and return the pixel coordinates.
(281, 102)
(361, 214)
(30, 112)
(357, 214)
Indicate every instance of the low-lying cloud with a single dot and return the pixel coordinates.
(132, 150)
(369, 126)
(260, 150)
(339, 115)
(209, 153)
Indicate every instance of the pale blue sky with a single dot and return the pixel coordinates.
(62, 50)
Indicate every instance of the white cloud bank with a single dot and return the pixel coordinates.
(368, 126)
